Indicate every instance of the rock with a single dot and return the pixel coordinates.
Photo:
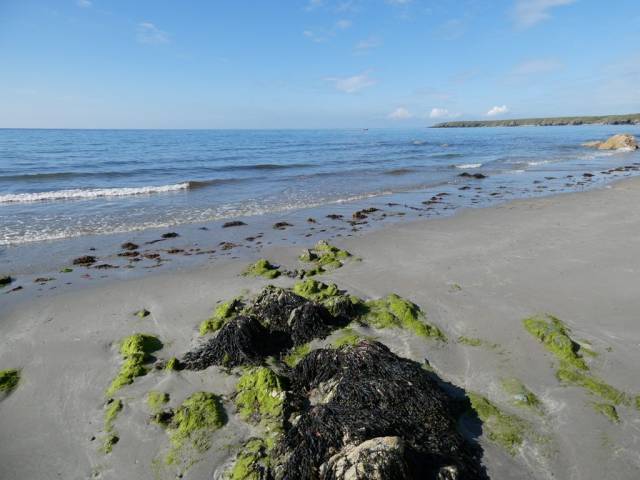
(129, 246)
(478, 176)
(623, 141)
(129, 253)
(235, 223)
(281, 225)
(170, 235)
(5, 280)
(226, 245)
(311, 220)
(85, 260)
(380, 458)
(334, 216)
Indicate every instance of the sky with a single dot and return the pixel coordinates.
(313, 63)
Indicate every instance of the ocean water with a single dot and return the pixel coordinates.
(58, 184)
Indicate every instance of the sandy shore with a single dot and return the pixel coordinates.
(477, 275)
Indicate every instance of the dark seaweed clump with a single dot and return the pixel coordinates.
(277, 320)
(374, 413)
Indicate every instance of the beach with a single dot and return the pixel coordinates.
(476, 276)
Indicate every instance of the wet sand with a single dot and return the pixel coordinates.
(477, 275)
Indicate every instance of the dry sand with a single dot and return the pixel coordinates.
(478, 274)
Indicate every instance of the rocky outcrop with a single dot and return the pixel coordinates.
(617, 142)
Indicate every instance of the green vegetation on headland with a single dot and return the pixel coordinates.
(631, 119)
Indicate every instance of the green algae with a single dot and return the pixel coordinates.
(637, 402)
(262, 268)
(608, 411)
(221, 315)
(136, 352)
(251, 462)
(348, 336)
(472, 342)
(502, 428)
(9, 380)
(296, 354)
(172, 365)
(260, 397)
(157, 400)
(66, 270)
(554, 335)
(394, 311)
(325, 257)
(192, 424)
(142, 313)
(520, 395)
(113, 408)
(329, 295)
(592, 384)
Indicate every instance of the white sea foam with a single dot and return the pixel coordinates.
(469, 165)
(89, 193)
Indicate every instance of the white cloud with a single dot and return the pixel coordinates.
(343, 24)
(367, 44)
(498, 111)
(150, 34)
(527, 13)
(537, 66)
(351, 84)
(439, 113)
(83, 3)
(400, 113)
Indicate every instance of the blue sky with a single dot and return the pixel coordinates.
(313, 63)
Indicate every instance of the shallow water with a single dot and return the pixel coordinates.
(58, 184)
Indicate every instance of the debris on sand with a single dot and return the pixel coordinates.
(235, 223)
(281, 225)
(85, 260)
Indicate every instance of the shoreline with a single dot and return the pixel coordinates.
(476, 275)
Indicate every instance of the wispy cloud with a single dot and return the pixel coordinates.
(528, 13)
(351, 84)
(498, 110)
(313, 4)
(442, 113)
(321, 35)
(536, 67)
(343, 24)
(400, 113)
(150, 34)
(83, 3)
(363, 46)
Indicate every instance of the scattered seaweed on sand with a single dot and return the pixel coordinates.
(262, 268)
(136, 352)
(500, 427)
(520, 395)
(593, 385)
(470, 341)
(554, 335)
(142, 313)
(222, 314)
(608, 411)
(112, 409)
(9, 380)
(85, 260)
(157, 400)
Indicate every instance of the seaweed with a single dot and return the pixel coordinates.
(252, 462)
(262, 268)
(362, 393)
(157, 400)
(223, 313)
(136, 352)
(472, 342)
(554, 335)
(348, 336)
(296, 354)
(504, 429)
(394, 311)
(113, 408)
(608, 411)
(260, 397)
(142, 313)
(9, 380)
(520, 395)
(192, 424)
(325, 257)
(330, 296)
(592, 384)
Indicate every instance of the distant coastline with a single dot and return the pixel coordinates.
(631, 119)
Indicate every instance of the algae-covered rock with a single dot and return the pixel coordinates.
(325, 257)
(262, 268)
(333, 299)
(369, 393)
(504, 429)
(252, 463)
(394, 311)
(136, 351)
(193, 423)
(554, 335)
(260, 397)
(9, 380)
(296, 354)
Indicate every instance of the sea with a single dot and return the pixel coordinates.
(58, 184)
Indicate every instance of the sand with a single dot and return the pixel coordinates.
(477, 274)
